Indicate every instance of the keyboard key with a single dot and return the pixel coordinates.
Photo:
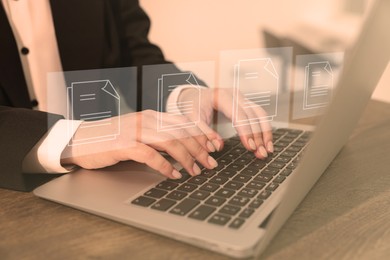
(299, 144)
(292, 166)
(282, 159)
(293, 149)
(277, 165)
(278, 149)
(249, 193)
(238, 150)
(229, 210)
(208, 173)
(272, 186)
(237, 223)
(219, 179)
(243, 161)
(155, 193)
(256, 203)
(264, 194)
(202, 212)
(219, 219)
(209, 187)
(198, 180)
(257, 164)
(163, 204)
(215, 201)
(255, 185)
(234, 167)
(242, 178)
(249, 171)
(200, 194)
(184, 176)
(143, 201)
(187, 187)
(239, 201)
(167, 185)
(184, 207)
(176, 195)
(233, 185)
(225, 193)
(263, 178)
(246, 213)
(225, 161)
(288, 154)
(286, 172)
(281, 144)
(219, 167)
(248, 155)
(227, 173)
(270, 171)
(279, 179)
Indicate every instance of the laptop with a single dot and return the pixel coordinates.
(238, 208)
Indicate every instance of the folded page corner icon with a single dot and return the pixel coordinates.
(318, 85)
(96, 103)
(257, 81)
(166, 85)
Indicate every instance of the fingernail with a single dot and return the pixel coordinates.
(262, 151)
(212, 162)
(216, 144)
(176, 174)
(210, 147)
(252, 144)
(196, 169)
(270, 147)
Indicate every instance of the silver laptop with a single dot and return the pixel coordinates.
(238, 208)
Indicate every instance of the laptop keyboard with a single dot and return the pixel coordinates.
(229, 194)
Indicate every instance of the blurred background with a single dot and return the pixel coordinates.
(197, 30)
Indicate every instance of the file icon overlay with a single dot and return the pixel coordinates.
(95, 103)
(318, 85)
(258, 82)
(166, 84)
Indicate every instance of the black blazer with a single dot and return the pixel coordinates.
(91, 34)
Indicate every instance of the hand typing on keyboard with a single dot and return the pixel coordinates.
(256, 137)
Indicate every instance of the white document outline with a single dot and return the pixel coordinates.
(321, 90)
(104, 117)
(263, 94)
(180, 108)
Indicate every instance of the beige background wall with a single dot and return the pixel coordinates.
(196, 30)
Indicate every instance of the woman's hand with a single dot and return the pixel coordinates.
(256, 137)
(140, 140)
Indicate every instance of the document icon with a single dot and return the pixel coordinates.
(166, 84)
(318, 84)
(95, 103)
(258, 82)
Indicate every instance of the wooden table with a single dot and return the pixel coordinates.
(345, 216)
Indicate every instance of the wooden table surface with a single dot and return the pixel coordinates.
(345, 216)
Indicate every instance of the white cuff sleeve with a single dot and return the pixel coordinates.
(45, 157)
(174, 96)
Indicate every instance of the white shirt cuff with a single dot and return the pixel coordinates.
(45, 157)
(174, 96)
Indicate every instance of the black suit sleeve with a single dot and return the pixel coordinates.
(136, 50)
(20, 130)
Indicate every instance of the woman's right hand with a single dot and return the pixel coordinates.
(140, 140)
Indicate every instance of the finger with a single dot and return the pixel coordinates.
(260, 151)
(176, 122)
(245, 130)
(195, 149)
(144, 154)
(266, 129)
(213, 137)
(182, 151)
